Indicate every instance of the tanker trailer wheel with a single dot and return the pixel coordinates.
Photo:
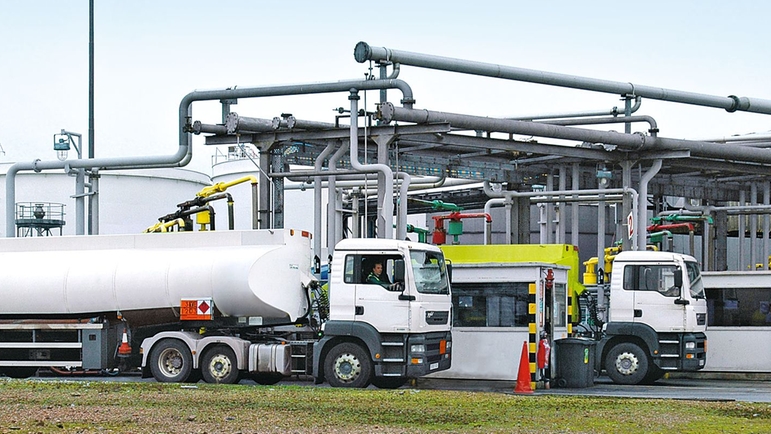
(627, 363)
(348, 365)
(171, 361)
(19, 371)
(219, 365)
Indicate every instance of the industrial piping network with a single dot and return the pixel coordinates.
(184, 152)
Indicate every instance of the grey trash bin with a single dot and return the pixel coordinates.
(574, 360)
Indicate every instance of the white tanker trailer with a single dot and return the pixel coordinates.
(222, 305)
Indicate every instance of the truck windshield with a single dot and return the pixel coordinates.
(694, 276)
(430, 272)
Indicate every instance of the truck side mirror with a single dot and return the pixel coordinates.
(679, 278)
(448, 264)
(399, 270)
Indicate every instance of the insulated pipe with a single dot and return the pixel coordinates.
(363, 52)
(635, 142)
(642, 208)
(386, 211)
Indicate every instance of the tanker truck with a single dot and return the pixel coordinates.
(221, 306)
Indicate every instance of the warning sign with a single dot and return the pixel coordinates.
(199, 309)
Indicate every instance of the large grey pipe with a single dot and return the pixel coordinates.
(364, 52)
(388, 112)
(642, 209)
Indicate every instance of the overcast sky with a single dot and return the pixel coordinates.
(150, 54)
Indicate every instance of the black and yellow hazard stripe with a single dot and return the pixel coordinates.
(532, 339)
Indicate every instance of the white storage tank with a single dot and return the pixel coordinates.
(129, 200)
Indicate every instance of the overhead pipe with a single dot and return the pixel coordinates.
(732, 103)
(653, 130)
(612, 112)
(634, 142)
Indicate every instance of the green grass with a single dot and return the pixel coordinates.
(46, 407)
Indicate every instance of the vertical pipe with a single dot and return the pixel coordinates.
(90, 79)
(742, 228)
(626, 207)
(385, 216)
(509, 210)
(642, 209)
(550, 210)
(766, 223)
(574, 206)
(753, 227)
(561, 220)
(317, 200)
(255, 213)
(93, 202)
(332, 199)
(706, 241)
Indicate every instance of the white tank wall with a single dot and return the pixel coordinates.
(129, 201)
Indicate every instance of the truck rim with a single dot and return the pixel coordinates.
(170, 362)
(347, 367)
(627, 364)
(220, 366)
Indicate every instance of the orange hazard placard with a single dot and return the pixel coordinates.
(199, 309)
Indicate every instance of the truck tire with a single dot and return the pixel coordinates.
(348, 365)
(654, 374)
(627, 363)
(171, 361)
(389, 382)
(19, 372)
(266, 379)
(219, 365)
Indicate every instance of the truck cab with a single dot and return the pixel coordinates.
(657, 317)
(390, 328)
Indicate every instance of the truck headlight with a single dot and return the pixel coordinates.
(690, 345)
(418, 348)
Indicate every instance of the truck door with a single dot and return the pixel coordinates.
(655, 295)
(377, 301)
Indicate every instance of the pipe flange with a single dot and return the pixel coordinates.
(735, 104)
(231, 123)
(385, 112)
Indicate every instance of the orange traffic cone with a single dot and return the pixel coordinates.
(523, 377)
(124, 350)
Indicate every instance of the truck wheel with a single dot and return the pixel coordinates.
(171, 361)
(389, 382)
(219, 365)
(267, 379)
(348, 365)
(627, 363)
